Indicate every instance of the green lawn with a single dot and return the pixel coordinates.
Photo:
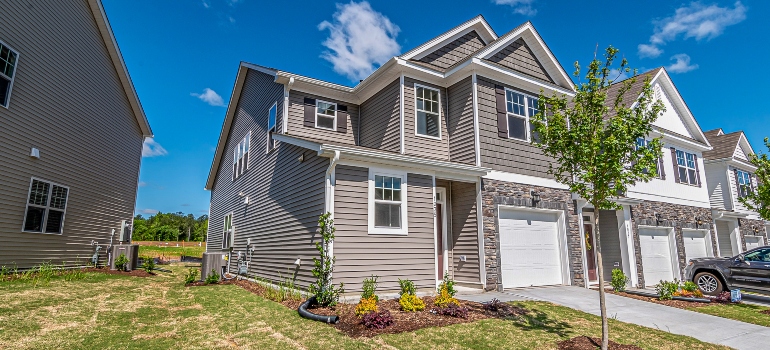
(740, 312)
(153, 251)
(115, 312)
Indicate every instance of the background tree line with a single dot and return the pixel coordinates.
(170, 227)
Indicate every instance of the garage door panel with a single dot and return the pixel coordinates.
(530, 248)
(695, 244)
(656, 255)
(754, 242)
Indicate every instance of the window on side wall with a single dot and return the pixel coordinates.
(687, 171)
(46, 206)
(744, 183)
(325, 115)
(227, 232)
(241, 156)
(271, 121)
(427, 113)
(521, 108)
(8, 60)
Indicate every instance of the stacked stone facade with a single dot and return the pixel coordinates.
(747, 227)
(495, 193)
(671, 215)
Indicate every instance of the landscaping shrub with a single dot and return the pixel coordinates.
(212, 278)
(688, 294)
(666, 289)
(121, 262)
(722, 298)
(74, 275)
(410, 303)
(5, 272)
(366, 306)
(444, 299)
(378, 320)
(370, 288)
(148, 264)
(447, 284)
(451, 310)
(407, 286)
(689, 286)
(191, 275)
(285, 290)
(619, 280)
(325, 292)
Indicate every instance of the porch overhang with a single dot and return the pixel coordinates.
(727, 214)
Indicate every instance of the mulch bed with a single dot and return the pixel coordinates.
(679, 304)
(586, 343)
(766, 312)
(135, 273)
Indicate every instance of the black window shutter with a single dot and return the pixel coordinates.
(661, 169)
(737, 182)
(697, 169)
(502, 112)
(676, 165)
(342, 118)
(309, 112)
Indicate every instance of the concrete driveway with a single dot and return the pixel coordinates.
(712, 329)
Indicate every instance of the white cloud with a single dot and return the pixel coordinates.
(150, 148)
(211, 97)
(522, 7)
(206, 4)
(692, 21)
(148, 211)
(359, 39)
(142, 184)
(682, 64)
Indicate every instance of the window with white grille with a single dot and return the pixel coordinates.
(46, 206)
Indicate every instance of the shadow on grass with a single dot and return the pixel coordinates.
(536, 320)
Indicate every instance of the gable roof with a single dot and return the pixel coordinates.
(477, 24)
(726, 144)
(120, 66)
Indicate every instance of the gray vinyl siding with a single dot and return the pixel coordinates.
(68, 102)
(465, 239)
(503, 154)
(462, 143)
(609, 238)
(390, 257)
(415, 145)
(286, 196)
(519, 57)
(455, 51)
(295, 124)
(381, 119)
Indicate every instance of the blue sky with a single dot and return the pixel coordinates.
(183, 57)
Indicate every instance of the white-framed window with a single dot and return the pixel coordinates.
(227, 231)
(271, 121)
(9, 59)
(325, 115)
(744, 183)
(642, 142)
(521, 108)
(427, 112)
(387, 202)
(46, 206)
(241, 156)
(687, 171)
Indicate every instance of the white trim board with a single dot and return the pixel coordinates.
(525, 179)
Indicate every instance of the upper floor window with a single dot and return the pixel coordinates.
(326, 115)
(241, 156)
(227, 232)
(428, 115)
(744, 183)
(687, 168)
(521, 108)
(271, 121)
(642, 142)
(46, 205)
(8, 60)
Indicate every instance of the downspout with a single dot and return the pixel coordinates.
(330, 183)
(401, 115)
(477, 146)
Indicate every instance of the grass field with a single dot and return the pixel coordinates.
(103, 311)
(171, 251)
(740, 312)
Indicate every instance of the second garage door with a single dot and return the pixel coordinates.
(695, 244)
(530, 248)
(754, 242)
(656, 255)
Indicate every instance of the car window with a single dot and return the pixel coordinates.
(759, 255)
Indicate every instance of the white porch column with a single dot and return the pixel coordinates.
(627, 247)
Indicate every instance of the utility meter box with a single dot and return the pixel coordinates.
(131, 251)
(216, 261)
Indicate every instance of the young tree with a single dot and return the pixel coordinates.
(759, 199)
(593, 142)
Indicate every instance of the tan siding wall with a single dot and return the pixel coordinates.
(455, 51)
(390, 257)
(381, 119)
(286, 196)
(295, 125)
(417, 145)
(465, 232)
(67, 101)
(462, 144)
(519, 57)
(505, 154)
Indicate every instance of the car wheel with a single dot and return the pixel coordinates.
(708, 283)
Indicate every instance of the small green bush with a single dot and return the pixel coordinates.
(212, 278)
(666, 289)
(285, 290)
(370, 288)
(191, 275)
(148, 264)
(45, 272)
(619, 280)
(74, 275)
(410, 303)
(121, 263)
(407, 287)
(447, 284)
(689, 286)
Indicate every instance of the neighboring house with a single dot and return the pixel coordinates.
(72, 130)
(664, 222)
(730, 177)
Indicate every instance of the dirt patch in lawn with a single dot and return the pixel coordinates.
(766, 312)
(586, 343)
(135, 273)
(679, 304)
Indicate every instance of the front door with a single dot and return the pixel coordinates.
(441, 242)
(590, 248)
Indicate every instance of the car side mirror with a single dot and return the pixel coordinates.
(740, 258)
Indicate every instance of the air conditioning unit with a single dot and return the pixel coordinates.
(213, 261)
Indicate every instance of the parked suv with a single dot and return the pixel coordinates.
(748, 271)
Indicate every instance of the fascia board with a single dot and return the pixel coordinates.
(680, 140)
(476, 23)
(313, 146)
(532, 82)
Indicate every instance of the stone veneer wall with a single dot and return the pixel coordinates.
(672, 215)
(746, 227)
(495, 193)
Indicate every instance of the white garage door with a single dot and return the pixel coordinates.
(754, 242)
(529, 249)
(695, 244)
(656, 255)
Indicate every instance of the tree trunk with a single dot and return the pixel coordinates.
(600, 272)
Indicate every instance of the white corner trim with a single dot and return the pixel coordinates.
(525, 179)
(476, 141)
(404, 229)
(480, 232)
(286, 90)
(401, 111)
(435, 232)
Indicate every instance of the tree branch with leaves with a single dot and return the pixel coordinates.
(758, 200)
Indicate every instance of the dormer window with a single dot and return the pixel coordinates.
(428, 113)
(326, 115)
(8, 60)
(744, 183)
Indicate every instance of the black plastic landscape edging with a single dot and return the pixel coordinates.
(654, 295)
(311, 316)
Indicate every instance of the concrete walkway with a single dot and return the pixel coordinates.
(711, 329)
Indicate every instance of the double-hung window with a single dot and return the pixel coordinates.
(387, 202)
(744, 183)
(8, 60)
(521, 108)
(687, 170)
(241, 156)
(227, 232)
(325, 115)
(428, 113)
(271, 121)
(642, 142)
(46, 205)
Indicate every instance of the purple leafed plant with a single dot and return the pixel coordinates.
(378, 320)
(451, 310)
